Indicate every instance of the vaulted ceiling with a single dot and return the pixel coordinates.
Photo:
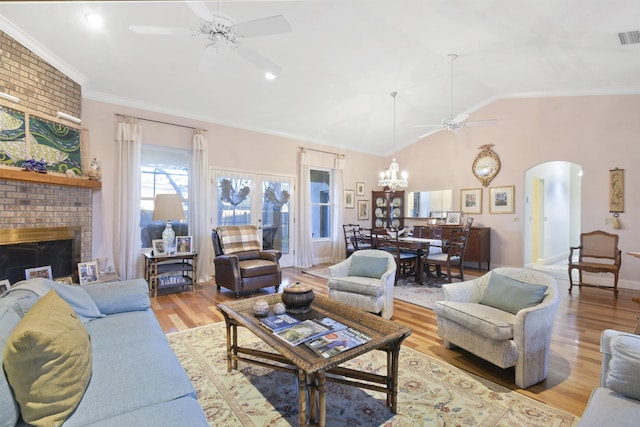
(340, 61)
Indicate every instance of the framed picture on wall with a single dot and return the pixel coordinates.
(88, 272)
(360, 189)
(471, 200)
(501, 200)
(32, 273)
(363, 210)
(349, 199)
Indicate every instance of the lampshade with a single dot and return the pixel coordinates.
(168, 207)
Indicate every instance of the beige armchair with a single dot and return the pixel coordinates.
(365, 280)
(504, 317)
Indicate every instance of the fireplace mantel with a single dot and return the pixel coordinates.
(45, 178)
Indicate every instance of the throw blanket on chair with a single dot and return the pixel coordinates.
(239, 238)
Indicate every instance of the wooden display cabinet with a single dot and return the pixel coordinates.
(387, 209)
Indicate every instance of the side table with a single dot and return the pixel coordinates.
(167, 271)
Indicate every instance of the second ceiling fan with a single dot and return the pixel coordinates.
(455, 122)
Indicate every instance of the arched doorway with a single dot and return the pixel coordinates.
(552, 192)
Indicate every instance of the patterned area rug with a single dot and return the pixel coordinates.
(432, 393)
(405, 290)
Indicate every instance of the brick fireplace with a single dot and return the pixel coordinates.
(25, 206)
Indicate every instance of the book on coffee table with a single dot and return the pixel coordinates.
(301, 332)
(278, 322)
(336, 342)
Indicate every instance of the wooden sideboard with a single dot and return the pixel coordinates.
(478, 248)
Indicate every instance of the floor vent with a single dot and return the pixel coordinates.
(629, 37)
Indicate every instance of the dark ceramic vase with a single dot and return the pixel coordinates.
(298, 298)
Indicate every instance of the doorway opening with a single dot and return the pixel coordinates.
(552, 193)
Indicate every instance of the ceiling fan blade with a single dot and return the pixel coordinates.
(258, 60)
(165, 31)
(479, 122)
(459, 118)
(201, 10)
(427, 126)
(263, 27)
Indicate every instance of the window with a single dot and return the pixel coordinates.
(320, 203)
(163, 171)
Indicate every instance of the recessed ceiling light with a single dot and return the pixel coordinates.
(94, 19)
(269, 76)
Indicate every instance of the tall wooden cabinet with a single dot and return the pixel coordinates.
(387, 209)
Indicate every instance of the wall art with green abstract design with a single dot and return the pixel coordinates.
(24, 136)
(13, 142)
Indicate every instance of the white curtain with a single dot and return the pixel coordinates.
(198, 206)
(304, 257)
(338, 251)
(126, 224)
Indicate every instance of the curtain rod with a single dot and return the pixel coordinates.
(158, 121)
(321, 151)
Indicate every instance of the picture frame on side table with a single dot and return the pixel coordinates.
(501, 200)
(183, 244)
(65, 279)
(453, 218)
(158, 247)
(349, 199)
(44, 272)
(360, 189)
(471, 200)
(88, 272)
(363, 210)
(4, 286)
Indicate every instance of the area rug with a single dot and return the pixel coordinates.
(431, 392)
(405, 290)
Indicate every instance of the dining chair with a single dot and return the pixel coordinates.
(349, 237)
(452, 255)
(362, 238)
(406, 261)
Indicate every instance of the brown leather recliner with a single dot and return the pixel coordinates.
(240, 264)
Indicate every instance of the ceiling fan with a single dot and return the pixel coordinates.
(223, 32)
(455, 123)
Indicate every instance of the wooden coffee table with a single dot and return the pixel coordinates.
(310, 369)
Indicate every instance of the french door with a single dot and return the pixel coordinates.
(265, 201)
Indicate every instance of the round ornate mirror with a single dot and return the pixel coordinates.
(486, 165)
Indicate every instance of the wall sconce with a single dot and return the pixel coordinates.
(69, 117)
(9, 97)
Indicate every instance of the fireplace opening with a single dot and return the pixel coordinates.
(58, 247)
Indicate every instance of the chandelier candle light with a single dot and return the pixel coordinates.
(389, 178)
(168, 207)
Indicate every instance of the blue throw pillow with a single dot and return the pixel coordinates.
(511, 295)
(624, 376)
(368, 266)
(75, 296)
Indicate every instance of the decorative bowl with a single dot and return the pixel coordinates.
(298, 298)
(261, 308)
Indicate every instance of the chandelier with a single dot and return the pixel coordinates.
(389, 178)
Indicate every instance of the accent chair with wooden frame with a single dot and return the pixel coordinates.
(598, 253)
(452, 255)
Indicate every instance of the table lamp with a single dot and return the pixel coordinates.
(168, 207)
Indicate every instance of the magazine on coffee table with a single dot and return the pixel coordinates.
(336, 342)
(301, 332)
(278, 322)
(331, 324)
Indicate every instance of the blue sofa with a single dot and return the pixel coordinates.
(136, 378)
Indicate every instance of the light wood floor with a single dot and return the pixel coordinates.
(574, 365)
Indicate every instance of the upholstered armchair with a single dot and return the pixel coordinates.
(241, 265)
(365, 280)
(504, 317)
